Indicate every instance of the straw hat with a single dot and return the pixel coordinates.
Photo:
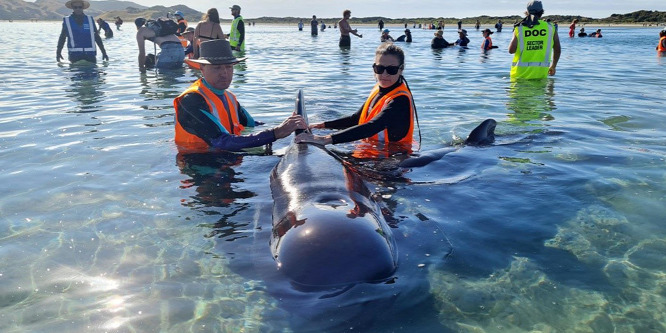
(85, 3)
(216, 52)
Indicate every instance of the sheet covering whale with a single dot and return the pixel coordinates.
(327, 229)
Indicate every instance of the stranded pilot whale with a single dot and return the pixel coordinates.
(328, 230)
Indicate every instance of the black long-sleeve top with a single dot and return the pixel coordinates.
(192, 109)
(395, 117)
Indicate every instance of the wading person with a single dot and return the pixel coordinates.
(81, 34)
(345, 29)
(208, 115)
(388, 113)
(533, 44)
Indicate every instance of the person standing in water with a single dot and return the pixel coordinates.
(208, 115)
(237, 33)
(534, 42)
(81, 34)
(572, 28)
(345, 29)
(314, 26)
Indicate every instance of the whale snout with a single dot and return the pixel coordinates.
(336, 244)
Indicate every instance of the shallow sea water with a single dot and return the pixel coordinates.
(557, 227)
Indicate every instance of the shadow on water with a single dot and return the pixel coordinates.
(162, 84)
(87, 80)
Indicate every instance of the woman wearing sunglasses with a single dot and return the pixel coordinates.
(388, 113)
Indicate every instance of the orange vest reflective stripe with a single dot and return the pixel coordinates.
(225, 111)
(367, 114)
(661, 47)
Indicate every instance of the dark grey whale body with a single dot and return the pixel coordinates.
(327, 229)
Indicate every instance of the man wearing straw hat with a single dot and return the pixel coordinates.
(209, 117)
(81, 33)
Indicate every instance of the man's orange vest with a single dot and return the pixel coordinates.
(225, 111)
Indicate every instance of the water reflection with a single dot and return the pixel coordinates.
(86, 82)
(531, 100)
(216, 183)
(345, 57)
(161, 84)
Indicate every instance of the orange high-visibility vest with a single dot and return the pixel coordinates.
(225, 111)
(367, 114)
(660, 47)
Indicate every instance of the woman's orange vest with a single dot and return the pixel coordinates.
(490, 43)
(661, 47)
(225, 111)
(367, 114)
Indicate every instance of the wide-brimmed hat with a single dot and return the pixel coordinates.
(439, 33)
(490, 32)
(69, 3)
(178, 13)
(386, 31)
(216, 52)
(463, 31)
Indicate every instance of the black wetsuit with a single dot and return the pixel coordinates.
(191, 117)
(395, 117)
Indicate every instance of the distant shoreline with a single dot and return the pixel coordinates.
(409, 25)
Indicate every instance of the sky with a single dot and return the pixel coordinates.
(414, 8)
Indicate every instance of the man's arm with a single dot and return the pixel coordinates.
(513, 46)
(140, 40)
(61, 42)
(98, 41)
(557, 50)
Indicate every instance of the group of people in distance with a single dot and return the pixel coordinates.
(210, 117)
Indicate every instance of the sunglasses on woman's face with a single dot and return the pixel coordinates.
(391, 70)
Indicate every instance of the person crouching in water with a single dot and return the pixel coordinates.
(487, 41)
(661, 48)
(208, 115)
(171, 54)
(388, 114)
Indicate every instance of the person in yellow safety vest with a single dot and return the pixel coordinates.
(208, 115)
(662, 41)
(534, 42)
(237, 34)
(388, 114)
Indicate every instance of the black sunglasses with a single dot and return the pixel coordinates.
(77, 7)
(391, 70)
